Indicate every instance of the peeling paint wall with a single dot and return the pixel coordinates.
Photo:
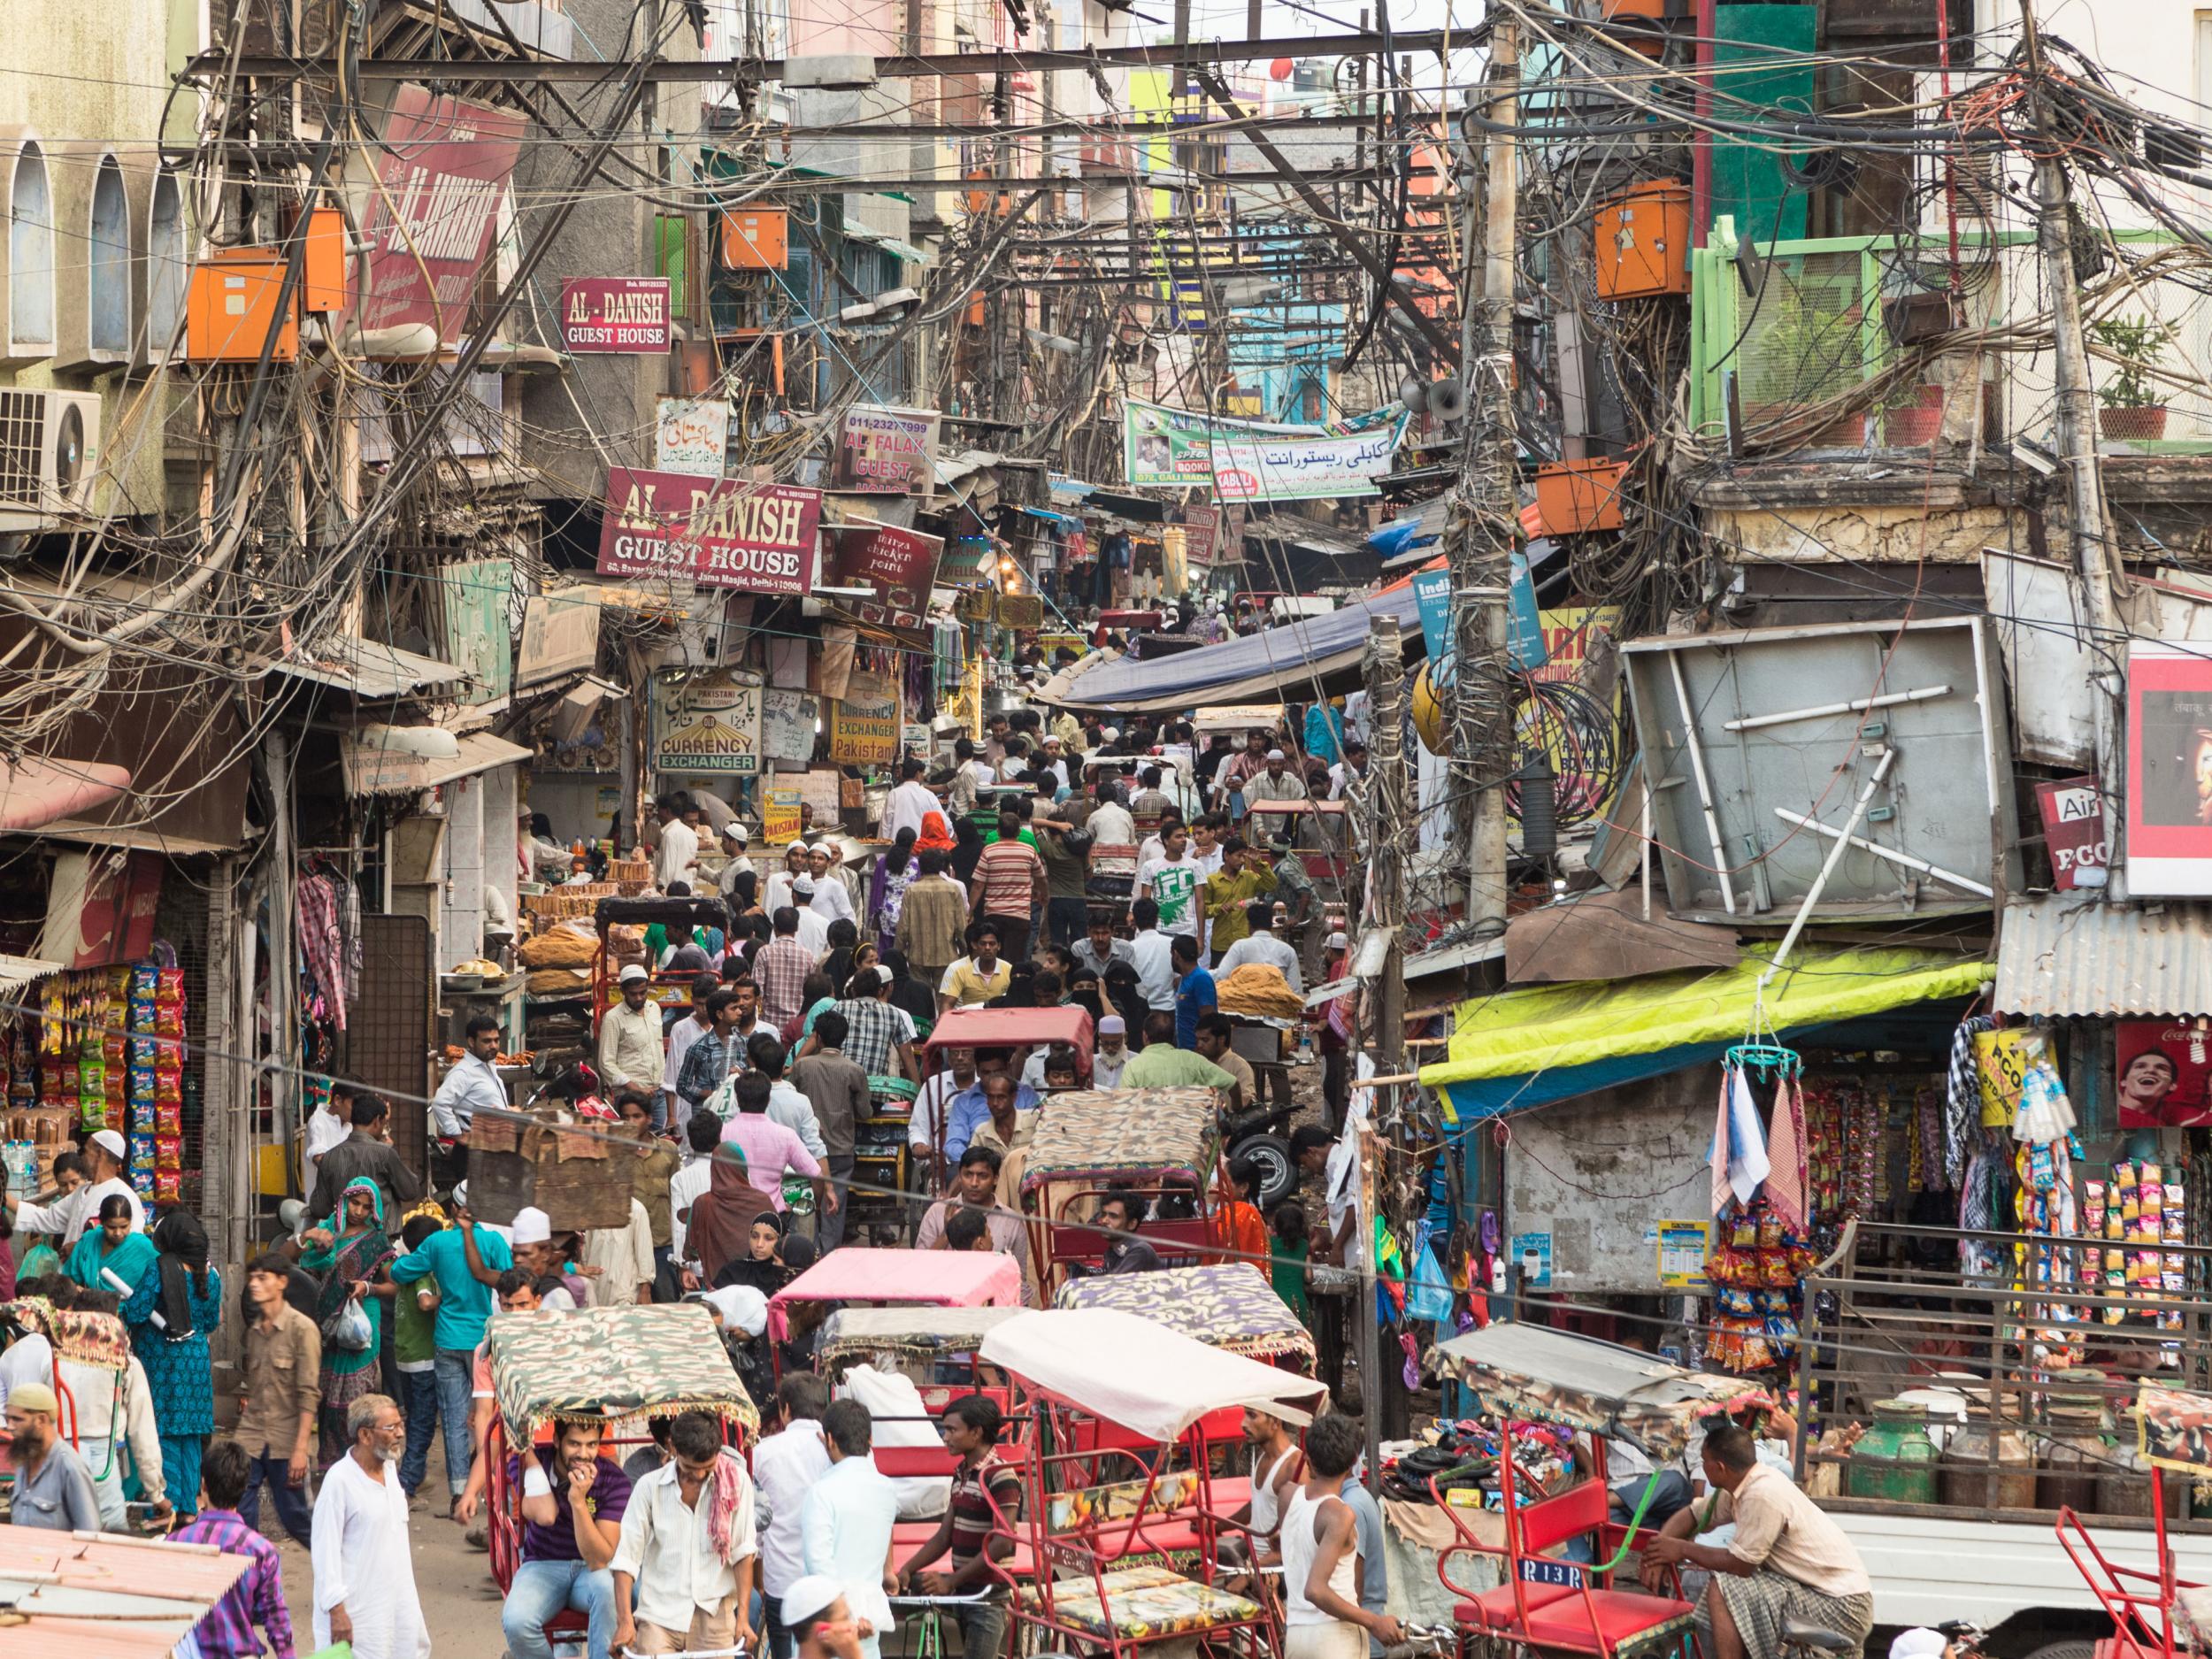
(1901, 534)
(1599, 1172)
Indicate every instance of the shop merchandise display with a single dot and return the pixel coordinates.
(106, 1051)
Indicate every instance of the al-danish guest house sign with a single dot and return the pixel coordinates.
(615, 314)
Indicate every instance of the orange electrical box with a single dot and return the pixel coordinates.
(758, 239)
(1639, 18)
(1642, 241)
(323, 285)
(231, 305)
(1574, 497)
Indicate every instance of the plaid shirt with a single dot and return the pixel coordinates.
(709, 1064)
(779, 969)
(872, 1031)
(257, 1598)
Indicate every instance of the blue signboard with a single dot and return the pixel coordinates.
(1432, 591)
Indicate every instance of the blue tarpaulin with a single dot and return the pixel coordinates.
(1266, 661)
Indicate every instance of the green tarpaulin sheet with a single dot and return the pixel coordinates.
(1549, 1027)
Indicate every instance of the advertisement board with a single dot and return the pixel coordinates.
(900, 565)
(1248, 460)
(2168, 846)
(758, 538)
(1202, 535)
(615, 315)
(788, 720)
(779, 818)
(443, 166)
(2165, 1072)
(691, 435)
(708, 725)
(892, 450)
(864, 724)
(2074, 831)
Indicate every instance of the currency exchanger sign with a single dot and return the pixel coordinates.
(1250, 460)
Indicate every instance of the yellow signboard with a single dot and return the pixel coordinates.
(864, 724)
(780, 815)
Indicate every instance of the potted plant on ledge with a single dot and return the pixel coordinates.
(2134, 406)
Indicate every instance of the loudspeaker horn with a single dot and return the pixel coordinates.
(1413, 392)
(1448, 401)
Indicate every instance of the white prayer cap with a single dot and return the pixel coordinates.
(531, 1225)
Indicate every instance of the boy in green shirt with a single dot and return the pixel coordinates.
(415, 1349)
(1241, 878)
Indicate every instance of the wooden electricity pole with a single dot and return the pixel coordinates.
(1484, 518)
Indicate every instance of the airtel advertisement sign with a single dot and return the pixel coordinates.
(444, 165)
(719, 533)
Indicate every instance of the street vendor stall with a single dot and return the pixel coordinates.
(1161, 1145)
(1227, 1305)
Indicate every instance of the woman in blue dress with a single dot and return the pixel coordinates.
(177, 1306)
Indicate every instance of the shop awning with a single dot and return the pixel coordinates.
(34, 792)
(2078, 955)
(367, 668)
(378, 763)
(1530, 1047)
(1249, 669)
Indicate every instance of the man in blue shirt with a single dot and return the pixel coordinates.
(973, 1107)
(1194, 990)
(464, 1302)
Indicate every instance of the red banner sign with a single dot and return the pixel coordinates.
(445, 164)
(2073, 829)
(900, 565)
(720, 533)
(615, 314)
(1201, 533)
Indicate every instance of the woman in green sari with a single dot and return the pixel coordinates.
(351, 1263)
(113, 1246)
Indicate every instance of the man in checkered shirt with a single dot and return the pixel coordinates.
(780, 968)
(257, 1598)
(878, 1037)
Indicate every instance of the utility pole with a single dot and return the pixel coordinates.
(1384, 1150)
(2077, 415)
(1485, 519)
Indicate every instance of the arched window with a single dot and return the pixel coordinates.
(168, 268)
(30, 253)
(108, 265)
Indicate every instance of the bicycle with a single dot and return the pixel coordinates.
(924, 1638)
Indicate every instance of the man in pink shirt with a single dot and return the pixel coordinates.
(769, 1148)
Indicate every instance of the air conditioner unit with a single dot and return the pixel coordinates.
(49, 449)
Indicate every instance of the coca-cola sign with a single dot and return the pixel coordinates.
(719, 533)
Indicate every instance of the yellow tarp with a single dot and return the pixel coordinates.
(1548, 1027)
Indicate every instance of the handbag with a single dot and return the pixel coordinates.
(348, 1330)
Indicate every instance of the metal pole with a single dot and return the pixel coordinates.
(1844, 838)
(2076, 412)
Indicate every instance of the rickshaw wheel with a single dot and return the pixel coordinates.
(1278, 1174)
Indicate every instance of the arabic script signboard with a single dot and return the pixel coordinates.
(1248, 460)
(708, 725)
(691, 435)
(615, 314)
(757, 538)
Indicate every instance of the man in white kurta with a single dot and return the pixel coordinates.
(365, 1571)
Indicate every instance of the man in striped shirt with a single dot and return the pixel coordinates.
(1009, 885)
(257, 1598)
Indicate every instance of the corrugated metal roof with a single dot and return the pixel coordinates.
(2079, 955)
(368, 668)
(79, 1593)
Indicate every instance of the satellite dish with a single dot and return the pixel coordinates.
(1413, 392)
(1446, 399)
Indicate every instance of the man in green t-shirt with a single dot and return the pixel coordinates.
(1161, 1065)
(415, 1351)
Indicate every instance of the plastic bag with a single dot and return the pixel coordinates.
(1428, 1292)
(348, 1330)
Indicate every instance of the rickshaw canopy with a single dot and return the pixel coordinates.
(1533, 1371)
(855, 1333)
(696, 912)
(1227, 1305)
(89, 1339)
(1014, 1028)
(1137, 1373)
(944, 1278)
(1098, 1134)
(602, 1364)
(2173, 1428)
